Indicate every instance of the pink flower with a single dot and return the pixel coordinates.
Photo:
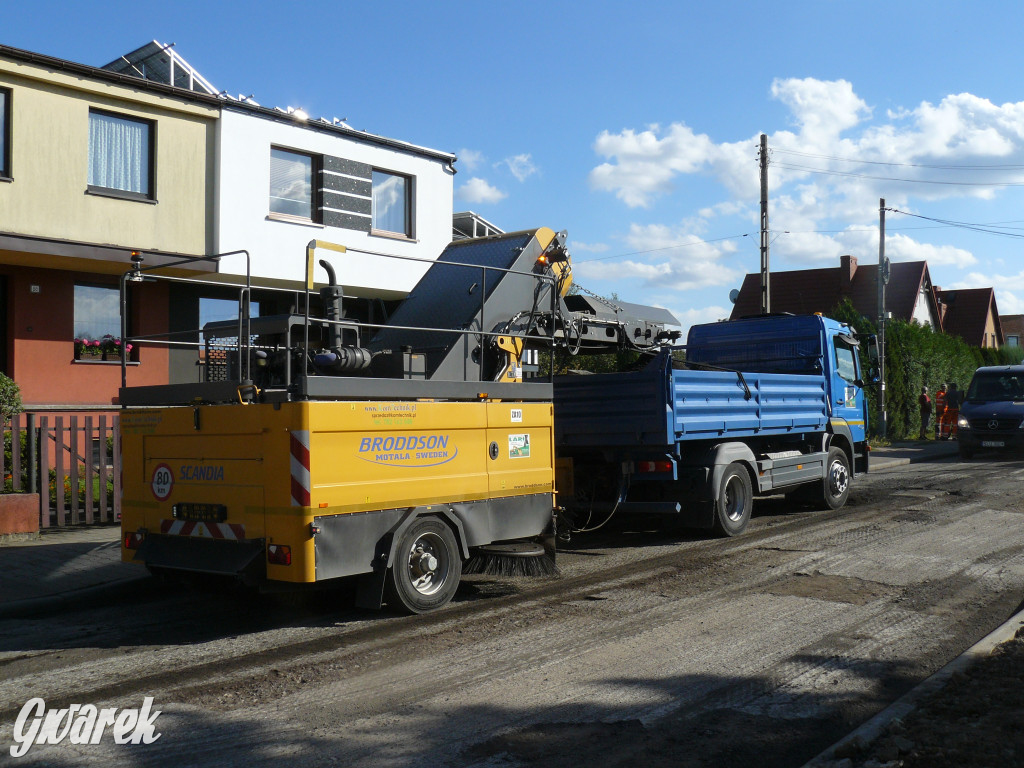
(129, 347)
(95, 343)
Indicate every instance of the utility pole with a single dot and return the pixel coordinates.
(883, 280)
(766, 301)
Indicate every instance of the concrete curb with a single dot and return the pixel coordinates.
(23, 609)
(873, 728)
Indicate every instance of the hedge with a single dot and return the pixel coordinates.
(916, 356)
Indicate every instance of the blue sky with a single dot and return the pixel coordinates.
(635, 125)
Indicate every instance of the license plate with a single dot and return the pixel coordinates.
(992, 444)
(200, 513)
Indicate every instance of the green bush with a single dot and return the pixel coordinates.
(10, 397)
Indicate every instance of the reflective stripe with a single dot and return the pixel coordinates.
(300, 468)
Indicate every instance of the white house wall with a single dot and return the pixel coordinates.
(277, 248)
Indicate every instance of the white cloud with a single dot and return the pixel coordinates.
(470, 159)
(821, 109)
(577, 245)
(476, 190)
(1001, 282)
(1009, 303)
(645, 164)
(680, 261)
(521, 166)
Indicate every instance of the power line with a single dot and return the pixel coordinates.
(996, 167)
(852, 175)
(962, 224)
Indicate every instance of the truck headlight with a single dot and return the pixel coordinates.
(962, 423)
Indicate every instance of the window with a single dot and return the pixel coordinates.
(846, 365)
(391, 208)
(1013, 341)
(5, 133)
(120, 156)
(291, 183)
(97, 323)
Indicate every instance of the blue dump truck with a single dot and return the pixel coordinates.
(771, 404)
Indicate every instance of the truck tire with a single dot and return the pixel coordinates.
(835, 488)
(734, 501)
(426, 569)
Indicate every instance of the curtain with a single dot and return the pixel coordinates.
(118, 153)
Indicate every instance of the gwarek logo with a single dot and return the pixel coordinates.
(82, 724)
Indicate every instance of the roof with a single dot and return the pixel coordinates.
(806, 291)
(967, 313)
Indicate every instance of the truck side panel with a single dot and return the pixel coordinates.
(658, 407)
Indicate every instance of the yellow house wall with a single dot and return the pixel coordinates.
(49, 165)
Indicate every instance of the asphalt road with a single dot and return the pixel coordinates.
(649, 649)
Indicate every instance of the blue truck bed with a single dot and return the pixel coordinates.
(658, 407)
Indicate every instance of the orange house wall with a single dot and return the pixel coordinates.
(40, 330)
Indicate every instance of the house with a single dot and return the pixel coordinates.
(909, 294)
(95, 165)
(146, 156)
(1013, 329)
(971, 314)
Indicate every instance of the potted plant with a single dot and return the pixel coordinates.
(107, 347)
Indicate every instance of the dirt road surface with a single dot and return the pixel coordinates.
(648, 650)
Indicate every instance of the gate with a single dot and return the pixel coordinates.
(73, 461)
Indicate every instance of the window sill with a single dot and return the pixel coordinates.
(6, 178)
(392, 235)
(104, 362)
(284, 218)
(120, 194)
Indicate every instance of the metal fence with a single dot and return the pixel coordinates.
(72, 461)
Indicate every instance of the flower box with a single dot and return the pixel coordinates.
(105, 348)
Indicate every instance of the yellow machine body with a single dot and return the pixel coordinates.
(209, 478)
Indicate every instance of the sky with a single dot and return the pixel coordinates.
(635, 126)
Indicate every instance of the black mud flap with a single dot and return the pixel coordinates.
(188, 553)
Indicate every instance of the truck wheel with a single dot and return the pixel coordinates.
(835, 489)
(735, 501)
(427, 567)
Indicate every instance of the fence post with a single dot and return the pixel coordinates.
(73, 469)
(103, 469)
(33, 457)
(16, 452)
(44, 474)
(3, 458)
(87, 460)
(58, 456)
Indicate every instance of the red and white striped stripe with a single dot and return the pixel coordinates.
(227, 531)
(300, 468)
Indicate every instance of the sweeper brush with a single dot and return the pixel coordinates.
(511, 560)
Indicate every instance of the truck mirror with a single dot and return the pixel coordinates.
(871, 362)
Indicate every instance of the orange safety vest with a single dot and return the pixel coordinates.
(940, 401)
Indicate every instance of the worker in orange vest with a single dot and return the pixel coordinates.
(940, 411)
(952, 413)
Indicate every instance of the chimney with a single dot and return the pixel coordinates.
(847, 268)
